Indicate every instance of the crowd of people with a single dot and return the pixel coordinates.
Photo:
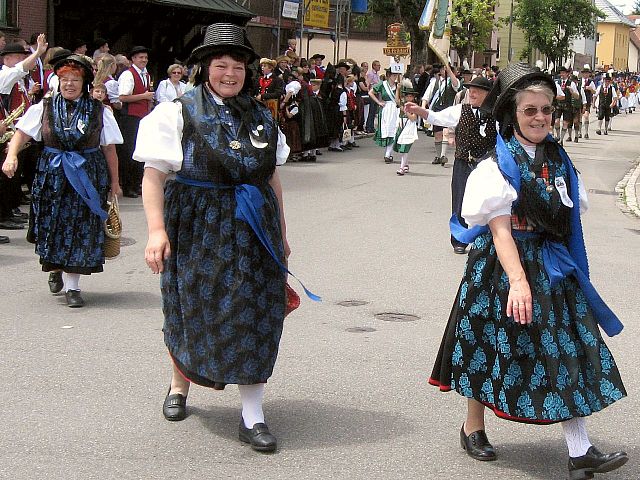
(523, 337)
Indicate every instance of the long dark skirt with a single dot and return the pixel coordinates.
(67, 234)
(223, 295)
(552, 370)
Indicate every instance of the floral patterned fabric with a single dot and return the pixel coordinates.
(552, 370)
(67, 234)
(223, 295)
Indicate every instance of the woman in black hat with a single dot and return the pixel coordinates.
(223, 292)
(78, 168)
(523, 338)
(475, 136)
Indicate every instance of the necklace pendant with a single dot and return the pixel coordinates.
(235, 145)
(550, 188)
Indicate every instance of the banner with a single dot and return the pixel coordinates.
(290, 9)
(436, 17)
(317, 13)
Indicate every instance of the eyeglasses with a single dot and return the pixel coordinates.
(176, 73)
(533, 111)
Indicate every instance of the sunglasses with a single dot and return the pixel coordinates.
(533, 111)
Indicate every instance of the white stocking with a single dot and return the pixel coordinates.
(575, 434)
(444, 147)
(71, 281)
(388, 151)
(404, 160)
(251, 397)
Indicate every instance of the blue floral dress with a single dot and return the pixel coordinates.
(552, 370)
(223, 294)
(66, 233)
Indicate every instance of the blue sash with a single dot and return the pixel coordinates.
(72, 162)
(249, 201)
(559, 261)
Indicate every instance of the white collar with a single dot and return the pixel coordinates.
(141, 72)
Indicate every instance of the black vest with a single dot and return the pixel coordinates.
(468, 138)
(605, 99)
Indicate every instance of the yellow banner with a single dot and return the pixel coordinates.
(317, 13)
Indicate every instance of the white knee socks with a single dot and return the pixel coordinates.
(404, 160)
(251, 397)
(71, 281)
(575, 434)
(438, 149)
(388, 151)
(444, 147)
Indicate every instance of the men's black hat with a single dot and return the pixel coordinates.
(480, 82)
(223, 37)
(344, 65)
(98, 42)
(318, 55)
(15, 48)
(79, 60)
(78, 42)
(563, 69)
(60, 55)
(138, 49)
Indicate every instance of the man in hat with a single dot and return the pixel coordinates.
(565, 109)
(475, 132)
(270, 87)
(588, 88)
(284, 66)
(18, 62)
(440, 95)
(343, 68)
(317, 65)
(102, 47)
(607, 98)
(136, 95)
(79, 46)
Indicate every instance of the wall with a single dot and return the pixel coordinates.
(613, 47)
(32, 17)
(633, 63)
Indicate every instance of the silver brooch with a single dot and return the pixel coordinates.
(235, 144)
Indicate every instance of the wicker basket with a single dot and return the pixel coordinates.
(112, 229)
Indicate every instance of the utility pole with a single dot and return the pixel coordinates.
(509, 54)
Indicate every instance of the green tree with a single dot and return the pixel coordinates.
(636, 8)
(551, 25)
(472, 22)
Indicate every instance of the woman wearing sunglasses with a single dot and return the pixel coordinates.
(523, 337)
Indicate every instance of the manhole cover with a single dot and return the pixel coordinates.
(352, 303)
(126, 241)
(602, 192)
(396, 317)
(360, 329)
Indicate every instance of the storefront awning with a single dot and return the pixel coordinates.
(225, 7)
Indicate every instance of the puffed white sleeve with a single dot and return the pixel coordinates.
(110, 134)
(282, 150)
(31, 122)
(159, 141)
(582, 195)
(487, 195)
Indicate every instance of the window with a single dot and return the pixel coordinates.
(3, 13)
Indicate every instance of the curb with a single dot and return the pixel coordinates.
(626, 189)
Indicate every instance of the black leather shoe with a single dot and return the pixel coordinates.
(436, 161)
(4, 239)
(477, 445)
(594, 461)
(460, 250)
(10, 225)
(174, 407)
(55, 282)
(258, 437)
(74, 299)
(388, 159)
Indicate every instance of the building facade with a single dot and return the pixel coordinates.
(612, 48)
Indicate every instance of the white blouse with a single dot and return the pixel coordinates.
(168, 92)
(31, 124)
(159, 141)
(489, 195)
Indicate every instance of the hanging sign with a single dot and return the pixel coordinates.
(317, 13)
(290, 9)
(398, 42)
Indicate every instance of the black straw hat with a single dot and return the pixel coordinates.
(318, 55)
(77, 60)
(59, 55)
(15, 48)
(138, 49)
(481, 83)
(223, 37)
(513, 78)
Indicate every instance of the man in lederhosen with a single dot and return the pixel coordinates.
(475, 136)
(589, 89)
(565, 109)
(607, 98)
(136, 95)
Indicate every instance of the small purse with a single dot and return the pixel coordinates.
(346, 135)
(112, 229)
(292, 299)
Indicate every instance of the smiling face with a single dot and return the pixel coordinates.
(226, 76)
(140, 60)
(71, 85)
(477, 96)
(536, 127)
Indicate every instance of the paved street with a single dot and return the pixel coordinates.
(349, 397)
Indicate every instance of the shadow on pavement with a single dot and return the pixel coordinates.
(306, 424)
(9, 260)
(129, 300)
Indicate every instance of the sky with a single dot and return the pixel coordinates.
(625, 5)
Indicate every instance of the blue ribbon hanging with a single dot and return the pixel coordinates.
(72, 162)
(559, 261)
(249, 201)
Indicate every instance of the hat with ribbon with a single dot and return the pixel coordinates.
(407, 87)
(14, 48)
(317, 55)
(481, 83)
(138, 49)
(76, 60)
(343, 64)
(221, 38)
(59, 55)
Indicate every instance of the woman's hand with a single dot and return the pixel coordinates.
(519, 302)
(115, 190)
(415, 109)
(158, 250)
(10, 165)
